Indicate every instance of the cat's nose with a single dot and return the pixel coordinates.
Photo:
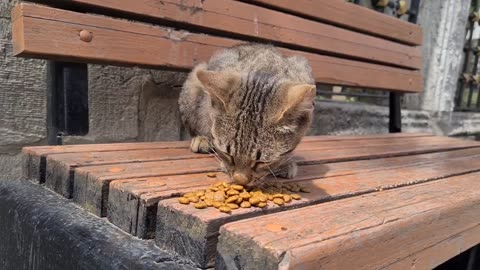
(240, 178)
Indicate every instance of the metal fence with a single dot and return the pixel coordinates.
(468, 98)
(398, 8)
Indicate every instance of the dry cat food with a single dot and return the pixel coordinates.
(227, 197)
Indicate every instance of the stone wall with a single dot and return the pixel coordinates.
(22, 99)
(133, 104)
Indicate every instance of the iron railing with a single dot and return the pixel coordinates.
(468, 91)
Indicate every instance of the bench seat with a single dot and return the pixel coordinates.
(134, 185)
(376, 200)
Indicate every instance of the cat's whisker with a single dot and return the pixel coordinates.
(215, 154)
(270, 169)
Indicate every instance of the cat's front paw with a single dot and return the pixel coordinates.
(289, 171)
(200, 144)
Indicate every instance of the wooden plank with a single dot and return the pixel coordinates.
(251, 21)
(339, 12)
(371, 232)
(91, 184)
(175, 221)
(59, 167)
(132, 203)
(34, 158)
(442, 251)
(54, 34)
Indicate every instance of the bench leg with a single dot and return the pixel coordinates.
(395, 116)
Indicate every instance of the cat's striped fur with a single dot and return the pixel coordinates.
(250, 106)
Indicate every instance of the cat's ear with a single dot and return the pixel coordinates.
(296, 99)
(219, 85)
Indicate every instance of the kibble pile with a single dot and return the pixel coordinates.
(227, 197)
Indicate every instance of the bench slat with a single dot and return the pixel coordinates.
(54, 34)
(90, 184)
(352, 16)
(60, 174)
(132, 202)
(34, 158)
(375, 231)
(261, 23)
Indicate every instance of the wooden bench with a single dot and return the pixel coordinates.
(405, 198)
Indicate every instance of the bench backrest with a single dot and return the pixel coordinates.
(346, 44)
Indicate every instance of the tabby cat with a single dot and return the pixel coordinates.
(250, 106)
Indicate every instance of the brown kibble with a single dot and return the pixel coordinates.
(218, 184)
(225, 185)
(183, 200)
(200, 205)
(262, 198)
(232, 205)
(278, 201)
(239, 200)
(213, 189)
(212, 175)
(245, 195)
(232, 199)
(209, 202)
(287, 198)
(202, 198)
(296, 196)
(232, 192)
(270, 197)
(188, 194)
(194, 199)
(278, 195)
(237, 187)
(219, 196)
(245, 205)
(262, 204)
(218, 204)
(225, 209)
(209, 195)
(200, 193)
(254, 200)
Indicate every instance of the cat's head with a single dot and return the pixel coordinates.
(258, 120)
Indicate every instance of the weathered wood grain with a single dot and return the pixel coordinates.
(91, 183)
(191, 232)
(249, 21)
(60, 167)
(36, 28)
(34, 158)
(372, 231)
(132, 203)
(351, 16)
(442, 251)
